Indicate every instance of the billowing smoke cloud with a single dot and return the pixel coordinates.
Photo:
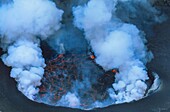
(69, 100)
(116, 45)
(23, 24)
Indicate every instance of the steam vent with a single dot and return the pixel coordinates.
(77, 55)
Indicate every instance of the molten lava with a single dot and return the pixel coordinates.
(68, 71)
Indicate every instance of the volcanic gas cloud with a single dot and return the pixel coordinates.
(111, 71)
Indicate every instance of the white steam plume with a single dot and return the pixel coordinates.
(69, 100)
(23, 24)
(116, 45)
